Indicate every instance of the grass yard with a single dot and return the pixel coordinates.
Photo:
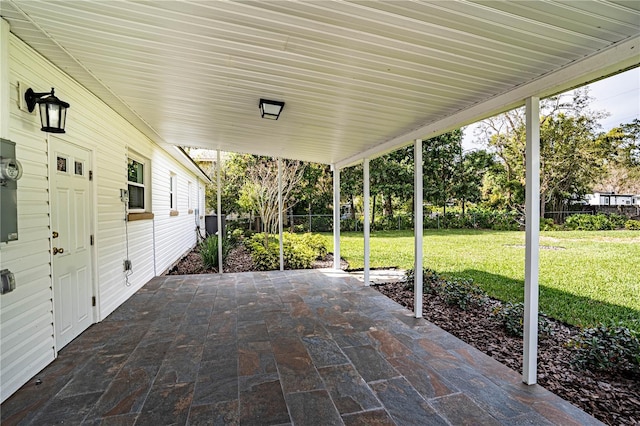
(585, 276)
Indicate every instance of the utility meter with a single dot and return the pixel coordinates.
(10, 169)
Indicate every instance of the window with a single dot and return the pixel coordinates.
(173, 192)
(138, 185)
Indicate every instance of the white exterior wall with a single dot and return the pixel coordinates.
(27, 341)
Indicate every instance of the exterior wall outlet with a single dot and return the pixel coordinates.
(127, 265)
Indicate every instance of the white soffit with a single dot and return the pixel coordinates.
(358, 78)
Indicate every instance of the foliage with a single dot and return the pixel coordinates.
(511, 315)
(461, 292)
(454, 291)
(299, 250)
(598, 222)
(430, 278)
(209, 251)
(607, 347)
(547, 224)
(632, 225)
(573, 156)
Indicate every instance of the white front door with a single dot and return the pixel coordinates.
(71, 240)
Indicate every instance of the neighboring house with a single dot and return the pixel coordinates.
(72, 241)
(612, 199)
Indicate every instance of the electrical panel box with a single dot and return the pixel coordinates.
(10, 172)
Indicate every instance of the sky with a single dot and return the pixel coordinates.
(619, 95)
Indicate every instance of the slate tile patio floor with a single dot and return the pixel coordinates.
(297, 347)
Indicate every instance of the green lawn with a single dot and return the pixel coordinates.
(585, 277)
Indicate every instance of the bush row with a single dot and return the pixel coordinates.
(299, 250)
(597, 222)
(611, 348)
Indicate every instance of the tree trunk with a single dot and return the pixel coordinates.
(388, 206)
(373, 211)
(352, 213)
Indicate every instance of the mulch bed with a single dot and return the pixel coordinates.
(612, 398)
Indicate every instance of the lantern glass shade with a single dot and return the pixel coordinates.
(270, 109)
(53, 114)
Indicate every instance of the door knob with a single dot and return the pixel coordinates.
(57, 250)
(54, 234)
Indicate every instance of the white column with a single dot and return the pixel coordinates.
(219, 211)
(367, 251)
(336, 217)
(417, 226)
(4, 79)
(532, 235)
(280, 213)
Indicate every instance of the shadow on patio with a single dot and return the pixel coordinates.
(295, 347)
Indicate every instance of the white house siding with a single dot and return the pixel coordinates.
(27, 342)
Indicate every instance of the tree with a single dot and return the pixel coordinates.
(623, 172)
(260, 190)
(442, 157)
(471, 171)
(351, 185)
(572, 156)
(392, 176)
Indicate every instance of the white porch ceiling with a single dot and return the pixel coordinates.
(358, 78)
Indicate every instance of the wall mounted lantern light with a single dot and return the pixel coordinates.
(53, 111)
(270, 109)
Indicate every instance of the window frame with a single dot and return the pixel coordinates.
(145, 185)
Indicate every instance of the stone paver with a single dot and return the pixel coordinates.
(294, 347)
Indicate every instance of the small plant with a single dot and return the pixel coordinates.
(511, 315)
(547, 225)
(632, 225)
(607, 347)
(429, 280)
(461, 292)
(209, 251)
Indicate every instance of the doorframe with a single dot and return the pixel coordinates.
(95, 310)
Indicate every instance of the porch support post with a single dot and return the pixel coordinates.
(336, 217)
(417, 227)
(365, 225)
(219, 210)
(532, 235)
(280, 213)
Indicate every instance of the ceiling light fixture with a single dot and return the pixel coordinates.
(53, 111)
(270, 109)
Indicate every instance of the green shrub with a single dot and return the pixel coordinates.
(617, 220)
(511, 315)
(315, 242)
(209, 251)
(632, 225)
(299, 250)
(460, 292)
(429, 280)
(608, 348)
(547, 224)
(598, 222)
